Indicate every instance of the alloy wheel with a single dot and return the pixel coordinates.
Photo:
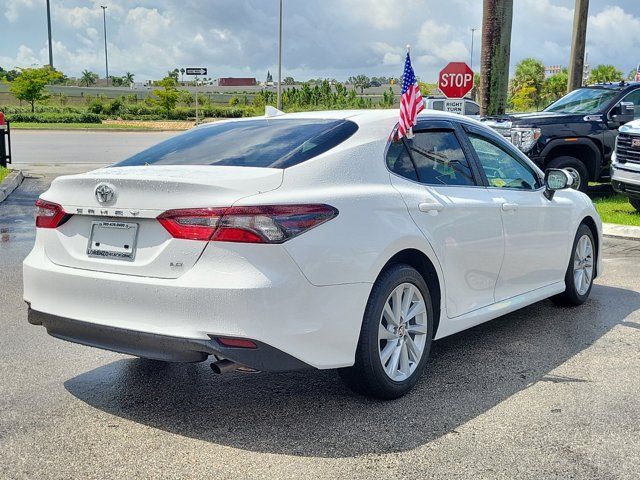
(583, 265)
(402, 333)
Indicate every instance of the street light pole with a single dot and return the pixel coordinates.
(49, 28)
(473, 31)
(280, 61)
(106, 57)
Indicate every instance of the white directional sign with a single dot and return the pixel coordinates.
(454, 106)
(196, 71)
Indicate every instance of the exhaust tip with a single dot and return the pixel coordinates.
(224, 366)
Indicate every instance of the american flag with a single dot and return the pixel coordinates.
(411, 103)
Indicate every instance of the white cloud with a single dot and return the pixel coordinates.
(13, 8)
(440, 40)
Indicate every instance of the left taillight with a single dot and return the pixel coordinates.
(49, 214)
(259, 224)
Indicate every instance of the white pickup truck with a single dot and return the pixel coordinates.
(625, 163)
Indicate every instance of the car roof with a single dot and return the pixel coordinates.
(362, 117)
(614, 85)
(385, 118)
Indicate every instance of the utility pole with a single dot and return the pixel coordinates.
(280, 61)
(578, 42)
(49, 28)
(473, 31)
(106, 57)
(497, 17)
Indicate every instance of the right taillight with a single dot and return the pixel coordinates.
(260, 224)
(49, 214)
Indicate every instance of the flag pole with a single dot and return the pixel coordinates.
(409, 134)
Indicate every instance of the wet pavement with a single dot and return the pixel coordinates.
(545, 392)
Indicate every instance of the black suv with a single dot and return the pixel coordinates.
(577, 132)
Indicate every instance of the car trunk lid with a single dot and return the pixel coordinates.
(121, 235)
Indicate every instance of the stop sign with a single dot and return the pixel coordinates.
(455, 80)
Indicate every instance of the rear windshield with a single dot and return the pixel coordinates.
(264, 143)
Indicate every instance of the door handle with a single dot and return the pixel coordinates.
(430, 207)
(509, 207)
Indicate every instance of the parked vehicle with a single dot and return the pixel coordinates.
(625, 165)
(308, 240)
(468, 107)
(577, 132)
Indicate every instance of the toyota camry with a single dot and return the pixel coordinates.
(308, 240)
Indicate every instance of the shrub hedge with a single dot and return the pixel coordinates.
(48, 117)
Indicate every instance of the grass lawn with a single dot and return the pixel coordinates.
(617, 209)
(3, 173)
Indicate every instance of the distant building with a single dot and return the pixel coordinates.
(552, 70)
(235, 82)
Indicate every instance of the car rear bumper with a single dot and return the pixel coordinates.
(163, 347)
(265, 299)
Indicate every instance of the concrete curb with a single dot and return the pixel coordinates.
(626, 232)
(10, 183)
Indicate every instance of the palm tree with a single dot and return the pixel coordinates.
(605, 74)
(497, 16)
(182, 70)
(88, 78)
(128, 78)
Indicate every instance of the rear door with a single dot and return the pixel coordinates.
(453, 210)
(535, 228)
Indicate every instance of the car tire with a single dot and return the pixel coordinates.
(373, 372)
(576, 167)
(576, 293)
(635, 203)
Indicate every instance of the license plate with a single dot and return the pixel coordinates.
(115, 240)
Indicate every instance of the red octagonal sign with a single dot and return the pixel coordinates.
(455, 80)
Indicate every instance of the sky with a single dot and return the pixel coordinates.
(327, 38)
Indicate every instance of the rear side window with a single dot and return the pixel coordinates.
(471, 108)
(432, 157)
(266, 143)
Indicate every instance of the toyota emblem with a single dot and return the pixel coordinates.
(105, 193)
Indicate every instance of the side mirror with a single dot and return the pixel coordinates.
(623, 113)
(556, 179)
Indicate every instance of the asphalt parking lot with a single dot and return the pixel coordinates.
(545, 392)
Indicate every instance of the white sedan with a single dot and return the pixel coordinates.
(309, 240)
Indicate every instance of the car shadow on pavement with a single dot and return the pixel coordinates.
(313, 414)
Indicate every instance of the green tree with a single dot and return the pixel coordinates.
(529, 77)
(388, 98)
(289, 81)
(555, 86)
(604, 74)
(168, 96)
(186, 97)
(360, 81)
(30, 85)
(269, 77)
(128, 79)
(173, 74)
(88, 78)
(8, 75)
(523, 99)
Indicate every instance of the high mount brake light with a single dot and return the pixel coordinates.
(262, 224)
(49, 214)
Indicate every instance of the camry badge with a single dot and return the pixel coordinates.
(105, 193)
